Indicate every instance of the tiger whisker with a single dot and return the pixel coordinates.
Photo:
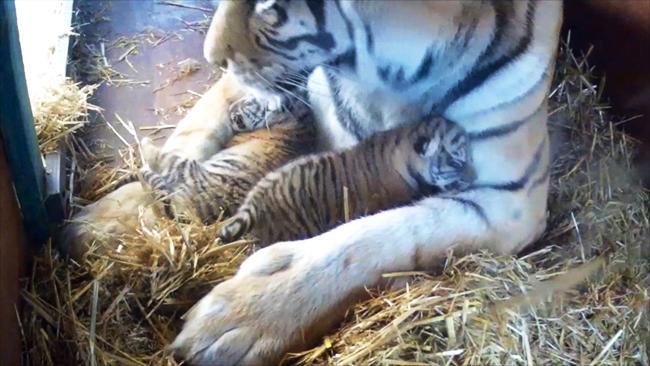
(335, 69)
(339, 73)
(289, 92)
(302, 77)
(276, 87)
(285, 90)
(303, 87)
(293, 82)
(299, 74)
(297, 77)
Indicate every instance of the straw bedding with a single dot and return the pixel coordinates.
(578, 296)
(62, 110)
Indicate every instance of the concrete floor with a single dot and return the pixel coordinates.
(167, 34)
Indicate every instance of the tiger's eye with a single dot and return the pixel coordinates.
(269, 16)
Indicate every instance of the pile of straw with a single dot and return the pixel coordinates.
(122, 306)
(60, 112)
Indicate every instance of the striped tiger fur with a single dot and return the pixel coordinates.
(306, 197)
(204, 190)
(371, 66)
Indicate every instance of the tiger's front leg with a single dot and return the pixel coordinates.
(202, 132)
(288, 295)
(207, 127)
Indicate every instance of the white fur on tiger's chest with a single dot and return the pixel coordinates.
(381, 110)
(330, 133)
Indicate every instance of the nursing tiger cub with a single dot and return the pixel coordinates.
(305, 197)
(203, 190)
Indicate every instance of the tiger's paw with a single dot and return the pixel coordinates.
(106, 220)
(278, 302)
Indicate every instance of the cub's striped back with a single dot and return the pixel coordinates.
(308, 196)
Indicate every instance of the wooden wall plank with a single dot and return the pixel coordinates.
(619, 30)
(17, 130)
(12, 243)
(45, 49)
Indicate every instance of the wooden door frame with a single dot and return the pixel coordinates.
(18, 133)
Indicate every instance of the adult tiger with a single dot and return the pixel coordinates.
(486, 65)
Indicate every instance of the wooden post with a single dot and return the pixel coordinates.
(12, 259)
(17, 131)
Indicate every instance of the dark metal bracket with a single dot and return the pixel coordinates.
(55, 179)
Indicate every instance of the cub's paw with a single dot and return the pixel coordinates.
(247, 114)
(234, 228)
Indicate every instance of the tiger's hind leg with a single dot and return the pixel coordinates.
(150, 154)
(182, 186)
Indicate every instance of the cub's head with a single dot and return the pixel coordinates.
(272, 44)
(441, 156)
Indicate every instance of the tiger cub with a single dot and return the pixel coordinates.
(204, 190)
(306, 197)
